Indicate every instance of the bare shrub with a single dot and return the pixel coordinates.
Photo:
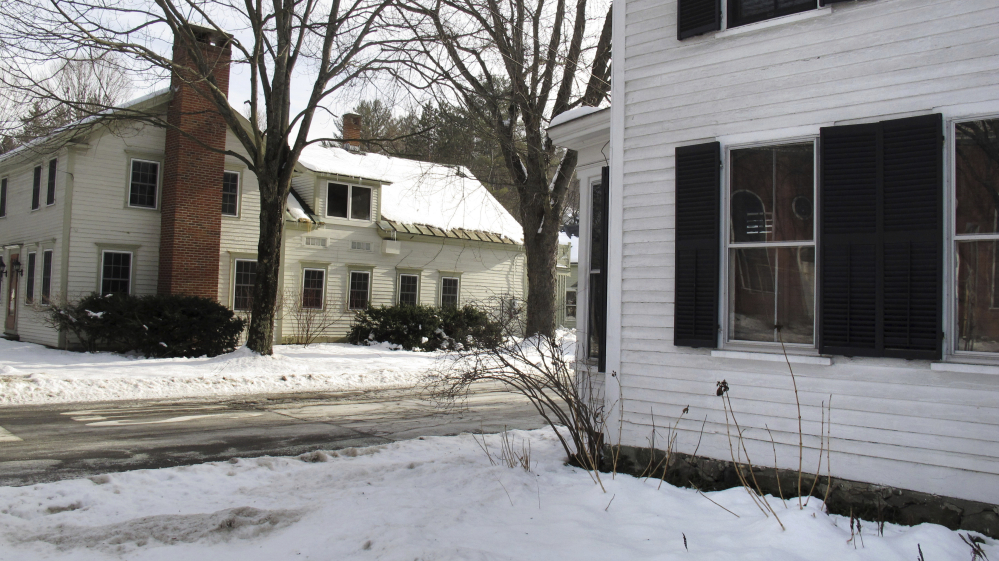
(311, 317)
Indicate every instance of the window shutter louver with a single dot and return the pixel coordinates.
(880, 245)
(698, 187)
(913, 230)
(696, 17)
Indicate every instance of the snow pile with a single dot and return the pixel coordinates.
(420, 192)
(33, 374)
(438, 498)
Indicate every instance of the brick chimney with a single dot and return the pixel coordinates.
(352, 131)
(191, 207)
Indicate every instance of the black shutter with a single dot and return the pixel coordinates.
(848, 240)
(913, 233)
(880, 248)
(696, 17)
(698, 188)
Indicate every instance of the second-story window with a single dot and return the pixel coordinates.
(348, 201)
(51, 187)
(143, 183)
(230, 193)
(36, 188)
(742, 12)
(3, 197)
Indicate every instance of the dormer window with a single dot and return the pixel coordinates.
(348, 201)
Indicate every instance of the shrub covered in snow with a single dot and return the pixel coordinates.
(427, 328)
(152, 325)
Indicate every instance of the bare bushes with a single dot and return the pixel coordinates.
(541, 368)
(311, 316)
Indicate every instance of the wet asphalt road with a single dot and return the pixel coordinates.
(65, 441)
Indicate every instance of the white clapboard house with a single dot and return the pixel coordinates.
(143, 210)
(812, 176)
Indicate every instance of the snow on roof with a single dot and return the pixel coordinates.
(573, 242)
(40, 141)
(574, 114)
(436, 195)
(296, 210)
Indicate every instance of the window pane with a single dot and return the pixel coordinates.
(117, 273)
(142, 191)
(230, 193)
(358, 297)
(596, 325)
(336, 200)
(570, 303)
(770, 287)
(407, 289)
(977, 185)
(771, 193)
(597, 236)
(246, 276)
(46, 276)
(748, 11)
(312, 288)
(3, 197)
(36, 187)
(977, 296)
(360, 203)
(449, 291)
(29, 287)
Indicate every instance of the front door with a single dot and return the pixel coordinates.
(12, 278)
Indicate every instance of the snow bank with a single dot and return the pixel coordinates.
(33, 374)
(438, 499)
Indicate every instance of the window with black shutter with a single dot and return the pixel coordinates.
(36, 188)
(697, 17)
(698, 186)
(742, 12)
(597, 283)
(51, 187)
(880, 248)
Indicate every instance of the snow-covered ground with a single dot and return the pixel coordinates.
(437, 498)
(33, 374)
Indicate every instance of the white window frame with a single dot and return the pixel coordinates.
(350, 275)
(350, 202)
(159, 184)
(322, 296)
(239, 192)
(235, 265)
(457, 296)
(398, 291)
(725, 247)
(131, 269)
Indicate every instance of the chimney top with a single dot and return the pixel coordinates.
(352, 131)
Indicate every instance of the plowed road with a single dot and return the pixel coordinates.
(52, 442)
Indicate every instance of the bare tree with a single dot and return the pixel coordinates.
(515, 65)
(283, 43)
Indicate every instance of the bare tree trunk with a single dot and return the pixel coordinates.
(260, 337)
(541, 298)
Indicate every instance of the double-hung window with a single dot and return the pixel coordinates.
(313, 287)
(449, 291)
(230, 193)
(348, 201)
(46, 276)
(29, 286)
(976, 235)
(873, 269)
(116, 272)
(596, 326)
(408, 289)
(242, 292)
(36, 188)
(143, 183)
(358, 290)
(771, 256)
(50, 191)
(696, 17)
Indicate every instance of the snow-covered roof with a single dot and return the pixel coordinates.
(445, 197)
(573, 242)
(574, 114)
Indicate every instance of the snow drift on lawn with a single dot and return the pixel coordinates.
(437, 499)
(33, 374)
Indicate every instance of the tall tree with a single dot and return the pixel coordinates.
(283, 43)
(515, 65)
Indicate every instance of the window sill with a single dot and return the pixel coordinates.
(749, 28)
(964, 367)
(774, 357)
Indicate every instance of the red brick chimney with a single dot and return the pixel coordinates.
(191, 207)
(352, 131)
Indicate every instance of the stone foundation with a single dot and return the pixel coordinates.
(866, 501)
